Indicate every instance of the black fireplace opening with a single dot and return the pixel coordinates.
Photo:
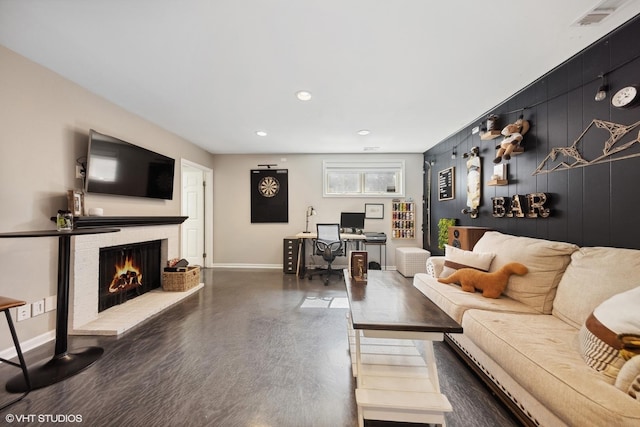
(128, 271)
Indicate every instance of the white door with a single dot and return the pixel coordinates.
(193, 206)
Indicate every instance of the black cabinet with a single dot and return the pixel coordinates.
(290, 255)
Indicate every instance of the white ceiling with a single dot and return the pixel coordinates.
(216, 71)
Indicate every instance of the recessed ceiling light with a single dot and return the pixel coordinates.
(261, 133)
(364, 132)
(303, 95)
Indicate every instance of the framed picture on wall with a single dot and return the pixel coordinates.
(447, 184)
(374, 210)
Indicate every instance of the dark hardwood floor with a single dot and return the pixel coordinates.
(241, 352)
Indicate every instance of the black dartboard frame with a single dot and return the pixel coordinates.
(269, 195)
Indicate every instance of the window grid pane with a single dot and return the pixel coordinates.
(380, 182)
(343, 182)
(364, 178)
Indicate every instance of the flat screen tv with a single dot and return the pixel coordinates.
(119, 167)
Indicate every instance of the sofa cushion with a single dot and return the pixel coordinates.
(541, 352)
(456, 258)
(545, 259)
(600, 342)
(454, 301)
(594, 275)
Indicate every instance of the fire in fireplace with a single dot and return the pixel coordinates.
(128, 271)
(127, 276)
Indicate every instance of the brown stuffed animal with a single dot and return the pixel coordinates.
(491, 284)
(513, 134)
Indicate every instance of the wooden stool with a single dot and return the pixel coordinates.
(5, 305)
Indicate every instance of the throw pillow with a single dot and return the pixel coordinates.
(606, 338)
(594, 274)
(629, 378)
(545, 259)
(455, 259)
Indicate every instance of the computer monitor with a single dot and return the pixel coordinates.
(352, 220)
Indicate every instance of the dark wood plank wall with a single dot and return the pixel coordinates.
(597, 205)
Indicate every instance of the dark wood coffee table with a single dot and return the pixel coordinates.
(395, 381)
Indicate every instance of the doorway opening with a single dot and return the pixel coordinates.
(197, 205)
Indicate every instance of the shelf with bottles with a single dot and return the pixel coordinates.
(403, 220)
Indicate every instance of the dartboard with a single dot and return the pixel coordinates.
(268, 186)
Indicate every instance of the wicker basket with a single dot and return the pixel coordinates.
(181, 280)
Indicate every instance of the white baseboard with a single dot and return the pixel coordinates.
(253, 266)
(27, 345)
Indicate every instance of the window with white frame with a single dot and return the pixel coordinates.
(382, 178)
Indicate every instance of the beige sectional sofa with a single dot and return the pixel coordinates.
(527, 343)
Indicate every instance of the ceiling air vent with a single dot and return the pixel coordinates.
(599, 13)
(594, 17)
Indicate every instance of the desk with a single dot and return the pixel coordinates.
(382, 248)
(303, 237)
(394, 382)
(63, 364)
(343, 236)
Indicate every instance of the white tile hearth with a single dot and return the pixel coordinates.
(123, 317)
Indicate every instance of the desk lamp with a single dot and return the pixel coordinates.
(310, 212)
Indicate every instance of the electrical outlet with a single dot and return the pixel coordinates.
(24, 312)
(50, 303)
(37, 308)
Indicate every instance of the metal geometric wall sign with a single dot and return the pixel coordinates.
(269, 195)
(572, 156)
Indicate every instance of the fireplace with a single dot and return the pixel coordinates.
(84, 290)
(127, 271)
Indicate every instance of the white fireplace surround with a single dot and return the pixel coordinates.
(84, 318)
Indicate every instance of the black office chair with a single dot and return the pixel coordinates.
(329, 245)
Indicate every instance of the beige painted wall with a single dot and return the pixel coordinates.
(44, 125)
(238, 242)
